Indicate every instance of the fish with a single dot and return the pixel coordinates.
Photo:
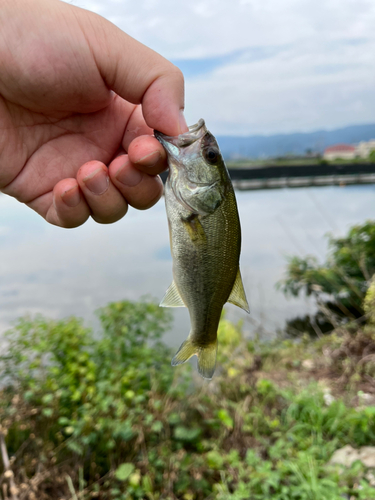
(205, 240)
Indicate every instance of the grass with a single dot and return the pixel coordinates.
(87, 416)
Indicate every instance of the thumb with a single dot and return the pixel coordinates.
(140, 76)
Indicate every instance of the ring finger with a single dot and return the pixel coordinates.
(106, 203)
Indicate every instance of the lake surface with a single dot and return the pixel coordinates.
(61, 272)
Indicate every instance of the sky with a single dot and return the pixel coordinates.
(261, 66)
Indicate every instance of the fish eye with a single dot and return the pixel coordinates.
(211, 155)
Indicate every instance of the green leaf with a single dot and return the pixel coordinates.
(123, 471)
(47, 398)
(124, 431)
(184, 434)
(28, 395)
(214, 460)
(75, 447)
(224, 416)
(47, 412)
(147, 483)
(157, 426)
(174, 418)
(63, 421)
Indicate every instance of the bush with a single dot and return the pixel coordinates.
(105, 416)
(340, 285)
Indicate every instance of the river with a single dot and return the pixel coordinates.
(61, 272)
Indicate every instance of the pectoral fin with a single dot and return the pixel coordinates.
(172, 297)
(195, 229)
(237, 295)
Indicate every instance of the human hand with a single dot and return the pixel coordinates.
(78, 94)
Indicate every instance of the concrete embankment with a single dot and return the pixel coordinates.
(302, 176)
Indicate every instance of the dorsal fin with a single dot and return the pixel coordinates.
(172, 297)
(237, 295)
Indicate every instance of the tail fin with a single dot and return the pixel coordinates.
(206, 357)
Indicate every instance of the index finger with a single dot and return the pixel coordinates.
(139, 75)
(145, 152)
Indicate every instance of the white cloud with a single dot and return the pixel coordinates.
(318, 73)
(202, 28)
(301, 88)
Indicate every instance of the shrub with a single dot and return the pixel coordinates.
(339, 285)
(105, 416)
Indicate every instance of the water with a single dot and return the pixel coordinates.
(61, 272)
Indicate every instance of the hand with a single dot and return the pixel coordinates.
(78, 94)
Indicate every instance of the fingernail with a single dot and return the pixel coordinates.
(183, 125)
(71, 197)
(97, 182)
(150, 160)
(129, 176)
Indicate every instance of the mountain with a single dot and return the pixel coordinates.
(258, 146)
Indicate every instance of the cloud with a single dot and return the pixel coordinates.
(207, 28)
(262, 66)
(300, 88)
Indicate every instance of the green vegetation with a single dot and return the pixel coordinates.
(105, 416)
(272, 162)
(339, 285)
(102, 415)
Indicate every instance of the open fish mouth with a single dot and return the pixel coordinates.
(195, 133)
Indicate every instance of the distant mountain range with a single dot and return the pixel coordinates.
(258, 146)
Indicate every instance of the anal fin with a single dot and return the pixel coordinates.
(172, 297)
(238, 295)
(185, 352)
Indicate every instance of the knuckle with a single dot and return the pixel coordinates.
(178, 75)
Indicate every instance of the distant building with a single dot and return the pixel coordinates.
(364, 148)
(349, 152)
(344, 151)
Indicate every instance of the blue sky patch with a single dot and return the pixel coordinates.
(197, 67)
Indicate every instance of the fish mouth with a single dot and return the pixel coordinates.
(173, 143)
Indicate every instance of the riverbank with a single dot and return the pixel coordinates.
(297, 161)
(111, 419)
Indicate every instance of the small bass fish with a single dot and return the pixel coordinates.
(205, 237)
